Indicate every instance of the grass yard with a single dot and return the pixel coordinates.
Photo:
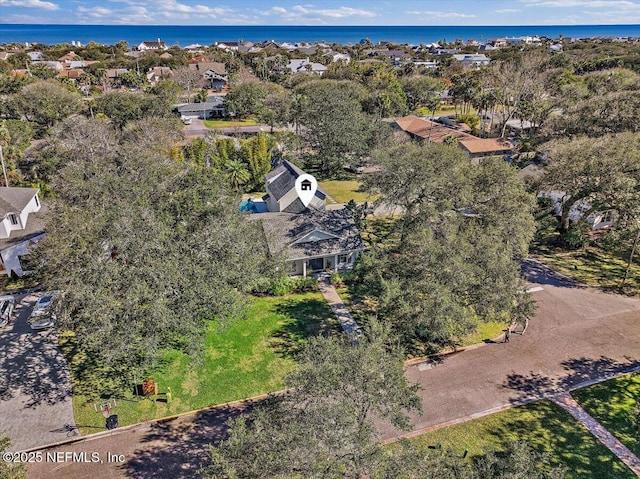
(229, 123)
(593, 266)
(545, 427)
(249, 358)
(344, 190)
(612, 403)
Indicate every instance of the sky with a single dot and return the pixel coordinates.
(322, 12)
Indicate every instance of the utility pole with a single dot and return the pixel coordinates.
(4, 169)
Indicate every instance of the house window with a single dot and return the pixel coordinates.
(294, 267)
(343, 258)
(14, 219)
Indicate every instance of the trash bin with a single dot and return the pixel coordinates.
(112, 421)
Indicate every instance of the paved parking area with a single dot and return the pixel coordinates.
(35, 388)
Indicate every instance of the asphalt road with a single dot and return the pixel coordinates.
(578, 334)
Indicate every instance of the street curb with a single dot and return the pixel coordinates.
(120, 430)
(503, 407)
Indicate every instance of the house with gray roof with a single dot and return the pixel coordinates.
(313, 241)
(21, 224)
(281, 191)
(305, 66)
(309, 239)
(212, 108)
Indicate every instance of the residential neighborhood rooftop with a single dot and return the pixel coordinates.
(13, 199)
(309, 234)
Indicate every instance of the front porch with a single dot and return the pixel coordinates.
(337, 262)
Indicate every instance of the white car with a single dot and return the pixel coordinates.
(43, 305)
(43, 321)
(186, 120)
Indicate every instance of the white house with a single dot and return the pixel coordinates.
(597, 220)
(309, 239)
(152, 46)
(21, 225)
(305, 66)
(479, 59)
(339, 57)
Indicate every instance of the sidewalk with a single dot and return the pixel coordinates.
(566, 402)
(347, 322)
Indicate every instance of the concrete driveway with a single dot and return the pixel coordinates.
(35, 389)
(577, 335)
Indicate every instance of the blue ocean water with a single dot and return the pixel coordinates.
(184, 35)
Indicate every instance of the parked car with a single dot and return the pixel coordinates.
(43, 305)
(7, 304)
(43, 321)
(186, 120)
(356, 168)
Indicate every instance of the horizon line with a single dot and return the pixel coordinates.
(323, 26)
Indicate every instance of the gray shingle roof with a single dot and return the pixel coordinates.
(282, 179)
(282, 230)
(35, 227)
(13, 200)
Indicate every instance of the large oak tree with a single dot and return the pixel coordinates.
(146, 250)
(463, 232)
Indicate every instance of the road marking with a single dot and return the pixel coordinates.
(535, 289)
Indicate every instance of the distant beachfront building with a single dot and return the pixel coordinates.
(152, 46)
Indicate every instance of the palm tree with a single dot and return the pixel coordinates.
(237, 173)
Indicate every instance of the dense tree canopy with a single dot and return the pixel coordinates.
(45, 103)
(146, 250)
(463, 231)
(335, 127)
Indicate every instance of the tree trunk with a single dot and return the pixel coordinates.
(633, 251)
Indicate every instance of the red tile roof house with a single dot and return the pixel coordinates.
(21, 224)
(474, 147)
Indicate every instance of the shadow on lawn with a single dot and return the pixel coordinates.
(547, 428)
(178, 448)
(541, 274)
(578, 371)
(305, 319)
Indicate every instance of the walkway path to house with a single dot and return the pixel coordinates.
(566, 402)
(336, 304)
(578, 335)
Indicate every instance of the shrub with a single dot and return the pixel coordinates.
(336, 279)
(304, 284)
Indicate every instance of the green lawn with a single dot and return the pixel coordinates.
(229, 123)
(344, 190)
(611, 403)
(249, 358)
(545, 427)
(593, 266)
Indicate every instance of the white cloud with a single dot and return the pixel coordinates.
(30, 4)
(437, 14)
(581, 3)
(95, 12)
(308, 12)
(507, 10)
